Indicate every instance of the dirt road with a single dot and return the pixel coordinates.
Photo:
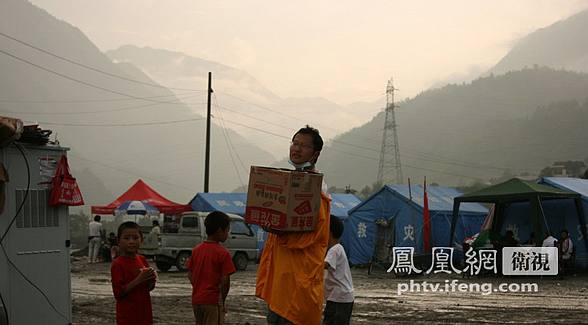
(377, 299)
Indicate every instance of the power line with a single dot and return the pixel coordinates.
(350, 144)
(83, 82)
(423, 154)
(130, 172)
(266, 108)
(459, 164)
(92, 68)
(257, 129)
(289, 128)
(353, 154)
(81, 101)
(287, 115)
(118, 125)
(229, 138)
(255, 118)
(93, 112)
(229, 147)
(432, 158)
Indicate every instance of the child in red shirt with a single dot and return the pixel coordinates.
(209, 269)
(132, 278)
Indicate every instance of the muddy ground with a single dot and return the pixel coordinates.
(377, 301)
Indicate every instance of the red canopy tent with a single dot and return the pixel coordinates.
(140, 191)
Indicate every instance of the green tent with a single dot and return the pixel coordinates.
(517, 190)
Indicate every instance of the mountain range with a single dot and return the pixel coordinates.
(120, 124)
(246, 105)
(507, 122)
(562, 45)
(138, 112)
(461, 134)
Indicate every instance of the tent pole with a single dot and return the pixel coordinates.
(582, 220)
(498, 220)
(456, 204)
(538, 213)
(543, 215)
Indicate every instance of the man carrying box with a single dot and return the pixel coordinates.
(290, 273)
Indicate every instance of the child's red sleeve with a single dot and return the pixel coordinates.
(189, 263)
(144, 261)
(118, 283)
(228, 267)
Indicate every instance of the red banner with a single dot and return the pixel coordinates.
(65, 189)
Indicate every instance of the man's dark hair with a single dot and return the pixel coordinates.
(317, 140)
(97, 218)
(128, 225)
(336, 227)
(155, 223)
(216, 220)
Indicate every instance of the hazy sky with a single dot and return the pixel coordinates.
(342, 50)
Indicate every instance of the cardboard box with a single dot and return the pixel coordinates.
(283, 199)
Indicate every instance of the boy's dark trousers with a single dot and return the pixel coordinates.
(337, 313)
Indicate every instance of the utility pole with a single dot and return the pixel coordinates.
(207, 154)
(389, 153)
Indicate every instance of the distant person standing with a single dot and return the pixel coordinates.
(566, 246)
(113, 243)
(94, 239)
(549, 241)
(566, 249)
(156, 230)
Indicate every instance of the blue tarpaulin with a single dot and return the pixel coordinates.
(225, 202)
(342, 203)
(402, 216)
(229, 203)
(235, 203)
(561, 214)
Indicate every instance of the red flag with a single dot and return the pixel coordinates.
(426, 221)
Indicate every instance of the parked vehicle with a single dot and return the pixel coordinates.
(174, 249)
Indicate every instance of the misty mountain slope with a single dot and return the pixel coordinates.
(183, 71)
(463, 133)
(562, 45)
(111, 124)
(245, 104)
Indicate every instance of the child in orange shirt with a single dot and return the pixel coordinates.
(132, 278)
(209, 270)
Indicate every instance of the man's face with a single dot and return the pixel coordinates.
(302, 149)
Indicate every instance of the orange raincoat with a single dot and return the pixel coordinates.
(290, 274)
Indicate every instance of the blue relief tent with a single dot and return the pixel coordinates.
(235, 203)
(561, 214)
(229, 203)
(225, 202)
(342, 203)
(391, 217)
